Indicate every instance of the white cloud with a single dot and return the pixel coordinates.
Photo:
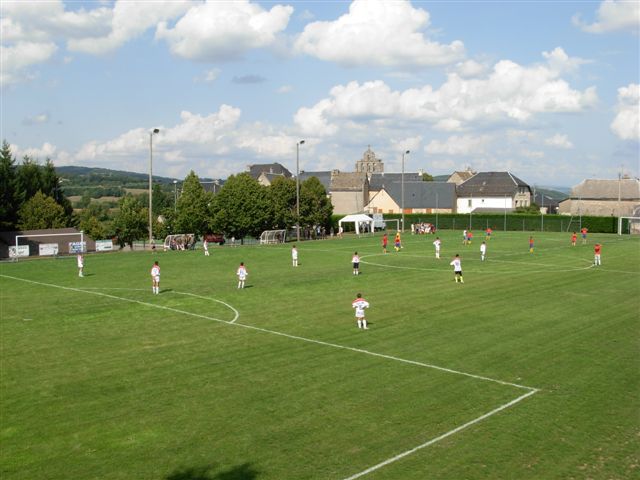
(216, 30)
(626, 125)
(208, 76)
(470, 68)
(21, 55)
(559, 141)
(377, 32)
(285, 89)
(612, 16)
(40, 118)
(40, 154)
(560, 62)
(508, 92)
(458, 145)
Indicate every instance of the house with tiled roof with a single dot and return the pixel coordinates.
(462, 176)
(257, 169)
(419, 197)
(492, 192)
(323, 176)
(603, 197)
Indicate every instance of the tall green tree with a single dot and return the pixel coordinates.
(241, 207)
(282, 202)
(130, 223)
(51, 185)
(315, 206)
(193, 208)
(10, 196)
(40, 212)
(427, 177)
(29, 177)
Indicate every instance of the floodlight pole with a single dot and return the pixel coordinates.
(151, 133)
(402, 187)
(298, 189)
(175, 196)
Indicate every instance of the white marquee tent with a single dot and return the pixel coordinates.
(359, 219)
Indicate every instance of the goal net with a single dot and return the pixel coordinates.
(181, 241)
(629, 225)
(273, 236)
(48, 244)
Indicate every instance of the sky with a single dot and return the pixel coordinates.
(548, 90)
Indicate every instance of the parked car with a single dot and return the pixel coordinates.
(214, 238)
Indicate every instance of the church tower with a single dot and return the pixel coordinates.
(369, 163)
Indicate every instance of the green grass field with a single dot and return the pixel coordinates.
(530, 370)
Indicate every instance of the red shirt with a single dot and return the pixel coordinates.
(597, 249)
(574, 237)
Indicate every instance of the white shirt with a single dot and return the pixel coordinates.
(437, 244)
(355, 259)
(80, 261)
(457, 265)
(155, 271)
(483, 248)
(360, 304)
(294, 253)
(242, 273)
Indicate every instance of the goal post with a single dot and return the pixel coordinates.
(629, 225)
(48, 244)
(273, 236)
(390, 220)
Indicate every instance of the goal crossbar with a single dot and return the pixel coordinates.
(633, 225)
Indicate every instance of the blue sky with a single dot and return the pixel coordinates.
(547, 90)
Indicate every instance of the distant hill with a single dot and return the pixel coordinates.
(103, 182)
(557, 193)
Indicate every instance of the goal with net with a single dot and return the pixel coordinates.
(181, 241)
(273, 236)
(629, 225)
(52, 243)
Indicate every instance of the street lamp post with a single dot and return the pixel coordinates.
(151, 133)
(175, 196)
(402, 187)
(298, 189)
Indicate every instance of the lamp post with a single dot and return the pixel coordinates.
(151, 133)
(175, 196)
(402, 187)
(298, 189)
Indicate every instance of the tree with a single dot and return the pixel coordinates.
(241, 207)
(193, 208)
(130, 223)
(94, 220)
(315, 207)
(282, 202)
(41, 212)
(29, 177)
(427, 177)
(50, 186)
(10, 197)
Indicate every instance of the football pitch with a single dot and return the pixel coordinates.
(528, 370)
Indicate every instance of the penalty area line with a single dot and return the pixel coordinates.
(139, 302)
(441, 437)
(287, 335)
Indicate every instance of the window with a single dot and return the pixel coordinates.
(470, 200)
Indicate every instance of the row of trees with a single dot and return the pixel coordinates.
(31, 198)
(30, 195)
(241, 208)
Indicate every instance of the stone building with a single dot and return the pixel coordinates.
(369, 163)
(349, 191)
(603, 198)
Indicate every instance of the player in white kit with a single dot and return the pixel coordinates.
(437, 243)
(155, 278)
(242, 275)
(360, 304)
(294, 256)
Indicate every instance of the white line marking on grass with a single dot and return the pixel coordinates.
(139, 302)
(287, 335)
(237, 314)
(441, 437)
(530, 390)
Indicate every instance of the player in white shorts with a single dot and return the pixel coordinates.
(205, 245)
(437, 243)
(242, 275)
(294, 256)
(483, 251)
(360, 304)
(80, 265)
(155, 278)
